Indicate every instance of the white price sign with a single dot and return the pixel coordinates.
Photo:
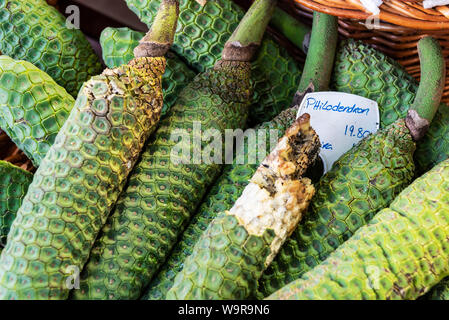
(341, 120)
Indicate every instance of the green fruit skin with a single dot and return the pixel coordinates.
(79, 180)
(14, 183)
(352, 57)
(324, 228)
(221, 197)
(354, 62)
(201, 35)
(440, 291)
(161, 194)
(363, 70)
(363, 181)
(234, 179)
(36, 32)
(400, 254)
(225, 263)
(118, 45)
(33, 107)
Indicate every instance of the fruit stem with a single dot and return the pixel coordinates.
(320, 58)
(160, 37)
(431, 87)
(244, 42)
(295, 31)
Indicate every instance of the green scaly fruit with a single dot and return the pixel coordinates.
(239, 244)
(118, 45)
(33, 107)
(440, 291)
(83, 173)
(363, 70)
(14, 183)
(400, 254)
(36, 32)
(165, 188)
(202, 34)
(229, 187)
(362, 182)
(221, 197)
(225, 199)
(161, 195)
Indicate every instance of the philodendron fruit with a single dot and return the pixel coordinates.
(33, 107)
(118, 45)
(202, 34)
(167, 185)
(83, 173)
(235, 177)
(401, 242)
(36, 32)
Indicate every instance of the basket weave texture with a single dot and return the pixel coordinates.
(404, 13)
(402, 24)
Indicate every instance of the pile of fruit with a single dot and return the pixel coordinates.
(122, 207)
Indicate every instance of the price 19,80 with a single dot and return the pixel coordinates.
(360, 133)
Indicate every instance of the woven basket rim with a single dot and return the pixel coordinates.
(410, 14)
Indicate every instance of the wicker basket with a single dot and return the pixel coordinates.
(397, 36)
(402, 24)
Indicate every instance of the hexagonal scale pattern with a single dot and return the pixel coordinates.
(162, 194)
(363, 181)
(80, 179)
(225, 263)
(221, 197)
(33, 107)
(118, 45)
(14, 183)
(201, 35)
(362, 70)
(400, 254)
(36, 32)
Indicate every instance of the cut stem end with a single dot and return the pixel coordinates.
(160, 37)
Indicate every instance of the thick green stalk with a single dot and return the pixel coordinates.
(202, 34)
(234, 179)
(433, 78)
(363, 181)
(82, 175)
(292, 29)
(160, 37)
(162, 192)
(318, 68)
(360, 69)
(245, 40)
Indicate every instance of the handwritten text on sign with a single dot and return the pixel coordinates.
(341, 120)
